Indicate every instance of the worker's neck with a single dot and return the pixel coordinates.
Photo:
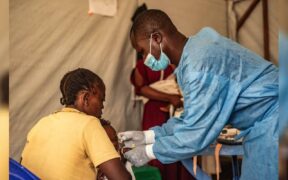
(176, 47)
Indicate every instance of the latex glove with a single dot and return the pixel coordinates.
(131, 139)
(138, 156)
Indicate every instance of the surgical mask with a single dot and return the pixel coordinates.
(153, 63)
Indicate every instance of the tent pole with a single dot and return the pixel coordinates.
(247, 14)
(266, 30)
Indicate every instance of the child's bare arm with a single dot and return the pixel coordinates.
(114, 169)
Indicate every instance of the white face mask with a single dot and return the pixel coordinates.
(153, 63)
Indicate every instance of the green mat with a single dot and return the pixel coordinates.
(146, 173)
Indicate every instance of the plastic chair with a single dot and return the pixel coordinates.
(19, 172)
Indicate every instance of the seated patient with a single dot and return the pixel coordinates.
(71, 143)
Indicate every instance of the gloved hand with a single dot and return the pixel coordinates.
(137, 156)
(132, 139)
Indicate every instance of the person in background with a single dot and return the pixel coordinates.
(71, 143)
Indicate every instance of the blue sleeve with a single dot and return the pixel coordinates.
(167, 128)
(208, 103)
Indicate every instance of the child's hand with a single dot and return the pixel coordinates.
(132, 139)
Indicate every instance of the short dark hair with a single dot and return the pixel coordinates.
(105, 122)
(5, 88)
(150, 21)
(75, 81)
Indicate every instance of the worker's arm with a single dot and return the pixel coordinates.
(166, 129)
(151, 93)
(114, 170)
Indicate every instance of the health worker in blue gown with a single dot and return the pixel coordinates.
(222, 83)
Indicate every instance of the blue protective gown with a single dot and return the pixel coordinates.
(224, 83)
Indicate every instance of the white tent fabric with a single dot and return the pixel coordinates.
(49, 38)
(190, 16)
(251, 33)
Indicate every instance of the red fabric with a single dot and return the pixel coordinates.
(153, 116)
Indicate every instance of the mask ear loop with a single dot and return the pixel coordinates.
(151, 44)
(162, 52)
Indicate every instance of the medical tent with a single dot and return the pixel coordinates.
(49, 38)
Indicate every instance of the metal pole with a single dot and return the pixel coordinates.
(266, 30)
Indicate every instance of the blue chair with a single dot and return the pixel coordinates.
(18, 172)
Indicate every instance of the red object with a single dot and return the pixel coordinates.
(153, 116)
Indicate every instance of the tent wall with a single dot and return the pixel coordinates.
(49, 38)
(251, 34)
(190, 16)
